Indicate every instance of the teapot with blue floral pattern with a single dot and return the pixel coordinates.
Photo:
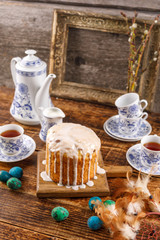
(31, 88)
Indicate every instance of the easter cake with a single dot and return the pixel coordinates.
(72, 152)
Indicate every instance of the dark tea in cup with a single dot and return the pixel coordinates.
(11, 137)
(154, 146)
(10, 133)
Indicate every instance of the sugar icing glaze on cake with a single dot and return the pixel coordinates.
(72, 155)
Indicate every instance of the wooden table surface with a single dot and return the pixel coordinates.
(22, 214)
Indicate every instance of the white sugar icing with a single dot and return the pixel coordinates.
(100, 170)
(45, 177)
(44, 162)
(71, 138)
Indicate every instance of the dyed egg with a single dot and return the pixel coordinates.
(94, 223)
(4, 176)
(91, 205)
(108, 203)
(16, 172)
(14, 183)
(59, 213)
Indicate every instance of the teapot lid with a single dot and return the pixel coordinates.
(31, 60)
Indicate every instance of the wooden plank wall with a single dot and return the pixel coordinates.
(27, 25)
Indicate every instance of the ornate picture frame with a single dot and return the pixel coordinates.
(62, 21)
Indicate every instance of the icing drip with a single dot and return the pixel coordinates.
(69, 138)
(75, 173)
(100, 170)
(44, 162)
(95, 177)
(75, 187)
(61, 165)
(49, 173)
(95, 166)
(55, 160)
(90, 183)
(83, 167)
(89, 167)
(67, 171)
(45, 177)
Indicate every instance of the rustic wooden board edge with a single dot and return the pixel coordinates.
(63, 192)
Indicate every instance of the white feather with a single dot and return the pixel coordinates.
(128, 232)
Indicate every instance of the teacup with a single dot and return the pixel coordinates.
(150, 157)
(11, 138)
(130, 126)
(129, 105)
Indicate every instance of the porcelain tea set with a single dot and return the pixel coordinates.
(31, 105)
(130, 125)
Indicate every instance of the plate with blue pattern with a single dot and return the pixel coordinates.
(27, 149)
(111, 127)
(134, 159)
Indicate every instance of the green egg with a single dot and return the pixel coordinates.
(108, 202)
(14, 183)
(59, 213)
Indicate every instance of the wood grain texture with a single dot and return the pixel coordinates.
(132, 5)
(10, 232)
(30, 22)
(90, 69)
(51, 189)
(23, 215)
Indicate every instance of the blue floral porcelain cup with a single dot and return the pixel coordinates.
(150, 157)
(130, 126)
(11, 138)
(130, 106)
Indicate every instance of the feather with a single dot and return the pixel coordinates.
(154, 204)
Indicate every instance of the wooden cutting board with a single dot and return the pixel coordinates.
(51, 189)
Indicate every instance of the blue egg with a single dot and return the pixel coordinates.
(16, 172)
(94, 223)
(4, 176)
(91, 205)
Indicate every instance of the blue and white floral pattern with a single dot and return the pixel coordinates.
(128, 126)
(11, 146)
(130, 112)
(112, 126)
(32, 63)
(46, 124)
(21, 105)
(133, 156)
(149, 158)
(27, 148)
(30, 74)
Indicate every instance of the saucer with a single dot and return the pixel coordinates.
(27, 149)
(133, 158)
(112, 129)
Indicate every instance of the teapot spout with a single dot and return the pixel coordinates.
(42, 98)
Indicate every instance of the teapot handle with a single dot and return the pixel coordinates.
(13, 69)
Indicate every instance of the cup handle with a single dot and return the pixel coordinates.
(144, 115)
(145, 104)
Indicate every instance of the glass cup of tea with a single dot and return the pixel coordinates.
(11, 138)
(150, 150)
